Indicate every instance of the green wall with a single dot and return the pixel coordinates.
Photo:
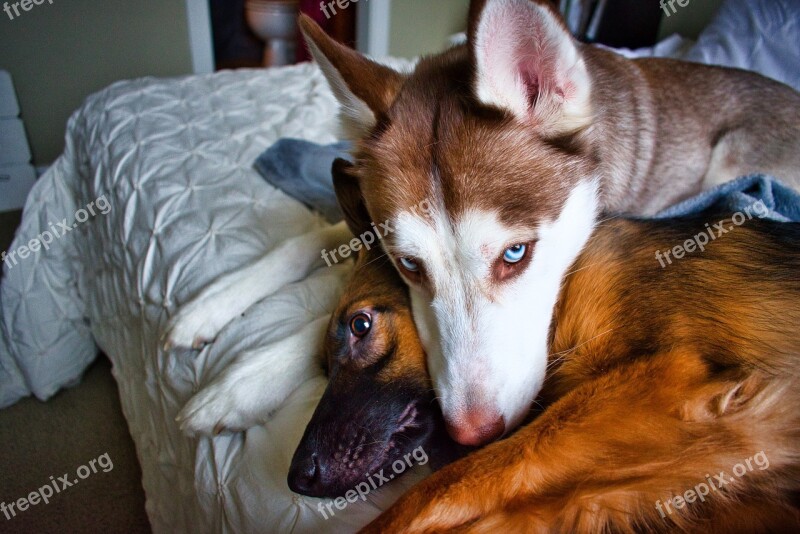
(60, 53)
(423, 26)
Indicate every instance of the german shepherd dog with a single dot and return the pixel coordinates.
(663, 384)
(670, 402)
(520, 141)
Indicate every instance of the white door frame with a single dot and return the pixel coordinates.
(200, 41)
(372, 27)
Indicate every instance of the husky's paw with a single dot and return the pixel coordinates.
(256, 383)
(199, 322)
(214, 410)
(244, 394)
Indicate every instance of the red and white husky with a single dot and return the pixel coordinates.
(517, 142)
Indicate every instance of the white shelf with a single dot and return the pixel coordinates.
(9, 107)
(15, 184)
(17, 175)
(13, 143)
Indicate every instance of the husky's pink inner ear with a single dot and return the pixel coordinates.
(528, 64)
(531, 81)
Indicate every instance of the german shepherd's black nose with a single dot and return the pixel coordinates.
(304, 476)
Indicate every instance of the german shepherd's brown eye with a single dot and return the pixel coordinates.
(360, 324)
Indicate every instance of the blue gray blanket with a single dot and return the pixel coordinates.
(303, 171)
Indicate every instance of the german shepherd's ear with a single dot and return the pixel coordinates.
(527, 63)
(364, 88)
(348, 193)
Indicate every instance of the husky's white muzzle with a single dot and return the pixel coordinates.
(487, 342)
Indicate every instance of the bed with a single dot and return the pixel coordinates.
(173, 160)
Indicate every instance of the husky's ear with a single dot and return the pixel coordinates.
(348, 193)
(528, 63)
(364, 88)
(475, 10)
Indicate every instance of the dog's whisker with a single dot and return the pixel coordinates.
(567, 351)
(552, 363)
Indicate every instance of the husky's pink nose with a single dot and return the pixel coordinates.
(476, 427)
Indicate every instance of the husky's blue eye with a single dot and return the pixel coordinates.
(409, 264)
(360, 325)
(515, 254)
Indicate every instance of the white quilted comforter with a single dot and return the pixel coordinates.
(173, 158)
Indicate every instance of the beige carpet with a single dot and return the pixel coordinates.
(43, 440)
